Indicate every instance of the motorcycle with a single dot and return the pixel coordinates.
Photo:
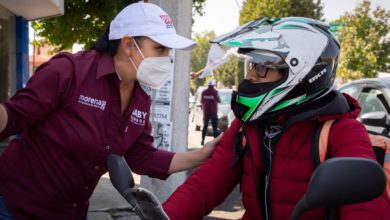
(337, 181)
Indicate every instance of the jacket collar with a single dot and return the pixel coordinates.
(105, 66)
(334, 105)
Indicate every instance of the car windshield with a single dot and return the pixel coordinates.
(371, 100)
(225, 97)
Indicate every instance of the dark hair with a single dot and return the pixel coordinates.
(103, 44)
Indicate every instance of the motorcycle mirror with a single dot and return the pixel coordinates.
(340, 181)
(123, 181)
(120, 173)
(377, 119)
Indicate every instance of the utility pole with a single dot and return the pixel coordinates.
(180, 12)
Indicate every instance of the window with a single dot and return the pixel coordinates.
(370, 101)
(350, 90)
(225, 96)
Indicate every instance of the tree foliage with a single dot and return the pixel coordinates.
(84, 21)
(253, 9)
(197, 6)
(365, 45)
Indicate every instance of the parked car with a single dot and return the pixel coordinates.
(223, 109)
(373, 95)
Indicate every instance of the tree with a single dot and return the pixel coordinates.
(197, 6)
(84, 21)
(253, 9)
(199, 56)
(365, 45)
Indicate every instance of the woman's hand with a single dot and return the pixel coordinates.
(187, 160)
(209, 147)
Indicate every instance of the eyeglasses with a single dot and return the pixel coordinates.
(260, 70)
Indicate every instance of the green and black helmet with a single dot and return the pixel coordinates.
(303, 48)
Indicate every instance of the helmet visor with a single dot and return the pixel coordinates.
(265, 58)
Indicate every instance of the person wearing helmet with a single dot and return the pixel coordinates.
(77, 109)
(209, 100)
(286, 93)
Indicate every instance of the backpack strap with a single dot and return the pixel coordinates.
(319, 145)
(319, 151)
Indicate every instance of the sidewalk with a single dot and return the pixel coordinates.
(107, 204)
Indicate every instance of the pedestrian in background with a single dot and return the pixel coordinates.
(209, 100)
(79, 108)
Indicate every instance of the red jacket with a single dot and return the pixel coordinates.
(292, 167)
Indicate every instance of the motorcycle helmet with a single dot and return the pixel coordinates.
(303, 49)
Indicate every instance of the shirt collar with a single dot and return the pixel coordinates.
(105, 65)
(140, 91)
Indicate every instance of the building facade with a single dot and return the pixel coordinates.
(14, 39)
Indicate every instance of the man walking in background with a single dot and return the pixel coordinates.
(210, 100)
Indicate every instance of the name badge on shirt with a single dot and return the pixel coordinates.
(138, 117)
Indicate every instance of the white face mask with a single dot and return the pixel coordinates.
(153, 71)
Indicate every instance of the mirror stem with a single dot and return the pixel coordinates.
(300, 208)
(134, 203)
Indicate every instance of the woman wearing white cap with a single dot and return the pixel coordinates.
(78, 109)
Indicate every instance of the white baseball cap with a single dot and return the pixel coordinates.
(147, 19)
(211, 82)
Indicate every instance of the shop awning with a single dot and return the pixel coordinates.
(37, 9)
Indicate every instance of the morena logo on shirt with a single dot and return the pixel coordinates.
(138, 117)
(97, 103)
(210, 97)
(167, 20)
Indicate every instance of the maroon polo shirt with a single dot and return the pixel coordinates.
(68, 118)
(209, 100)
